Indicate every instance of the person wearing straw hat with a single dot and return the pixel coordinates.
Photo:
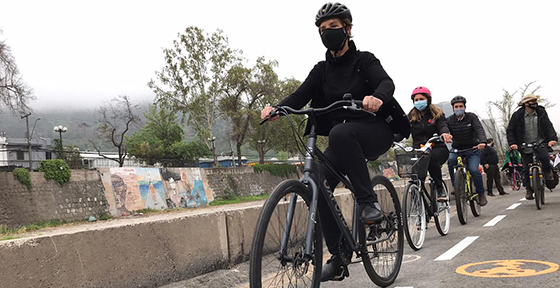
(530, 124)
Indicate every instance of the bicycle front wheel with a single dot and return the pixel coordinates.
(443, 215)
(271, 267)
(537, 187)
(461, 197)
(475, 206)
(414, 215)
(382, 244)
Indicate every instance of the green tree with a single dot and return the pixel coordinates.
(245, 87)
(70, 154)
(161, 141)
(275, 135)
(194, 77)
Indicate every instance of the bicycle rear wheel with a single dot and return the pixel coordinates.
(383, 244)
(443, 215)
(536, 183)
(461, 197)
(269, 267)
(516, 180)
(414, 216)
(474, 203)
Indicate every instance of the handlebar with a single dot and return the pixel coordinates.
(426, 147)
(533, 145)
(351, 104)
(457, 151)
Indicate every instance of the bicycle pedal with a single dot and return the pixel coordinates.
(345, 273)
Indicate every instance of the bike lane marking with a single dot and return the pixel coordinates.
(494, 221)
(513, 206)
(507, 268)
(449, 254)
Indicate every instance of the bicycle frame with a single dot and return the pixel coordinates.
(461, 168)
(309, 170)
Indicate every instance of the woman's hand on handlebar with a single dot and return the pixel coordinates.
(265, 113)
(551, 143)
(447, 137)
(372, 104)
(513, 147)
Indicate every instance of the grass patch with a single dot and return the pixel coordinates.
(5, 230)
(147, 211)
(238, 199)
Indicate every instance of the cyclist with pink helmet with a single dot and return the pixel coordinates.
(426, 119)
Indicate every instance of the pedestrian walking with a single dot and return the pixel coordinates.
(489, 160)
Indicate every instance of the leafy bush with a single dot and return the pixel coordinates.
(280, 170)
(22, 175)
(56, 169)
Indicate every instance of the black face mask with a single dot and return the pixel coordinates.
(533, 106)
(333, 39)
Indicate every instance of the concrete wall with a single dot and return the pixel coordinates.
(78, 199)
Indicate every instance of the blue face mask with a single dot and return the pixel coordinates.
(421, 105)
(459, 112)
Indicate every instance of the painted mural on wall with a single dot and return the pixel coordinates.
(129, 189)
(185, 187)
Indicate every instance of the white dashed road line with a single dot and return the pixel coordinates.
(456, 249)
(522, 199)
(513, 206)
(494, 221)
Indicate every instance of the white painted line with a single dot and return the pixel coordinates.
(456, 249)
(513, 206)
(522, 199)
(494, 221)
(404, 287)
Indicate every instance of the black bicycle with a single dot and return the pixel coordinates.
(536, 173)
(287, 246)
(419, 206)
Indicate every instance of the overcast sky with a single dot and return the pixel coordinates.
(80, 53)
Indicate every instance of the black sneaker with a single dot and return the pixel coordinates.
(441, 194)
(529, 194)
(482, 199)
(334, 270)
(371, 213)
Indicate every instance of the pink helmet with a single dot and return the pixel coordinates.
(422, 90)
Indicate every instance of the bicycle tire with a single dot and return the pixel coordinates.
(535, 181)
(517, 180)
(461, 197)
(475, 206)
(443, 216)
(414, 212)
(384, 252)
(268, 236)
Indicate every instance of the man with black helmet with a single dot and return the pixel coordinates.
(353, 136)
(530, 124)
(467, 132)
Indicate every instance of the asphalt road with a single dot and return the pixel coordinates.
(525, 243)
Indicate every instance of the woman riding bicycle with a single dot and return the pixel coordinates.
(353, 136)
(426, 119)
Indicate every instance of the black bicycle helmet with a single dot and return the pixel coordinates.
(332, 10)
(458, 99)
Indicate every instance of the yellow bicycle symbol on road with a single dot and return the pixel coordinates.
(507, 268)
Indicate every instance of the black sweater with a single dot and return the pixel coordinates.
(489, 156)
(426, 128)
(331, 79)
(467, 132)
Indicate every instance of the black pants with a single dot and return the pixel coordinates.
(350, 144)
(493, 175)
(432, 163)
(542, 155)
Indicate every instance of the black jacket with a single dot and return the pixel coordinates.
(329, 80)
(516, 127)
(467, 132)
(489, 156)
(426, 128)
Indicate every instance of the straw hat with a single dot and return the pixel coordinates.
(527, 98)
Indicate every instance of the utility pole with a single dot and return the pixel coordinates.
(29, 141)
